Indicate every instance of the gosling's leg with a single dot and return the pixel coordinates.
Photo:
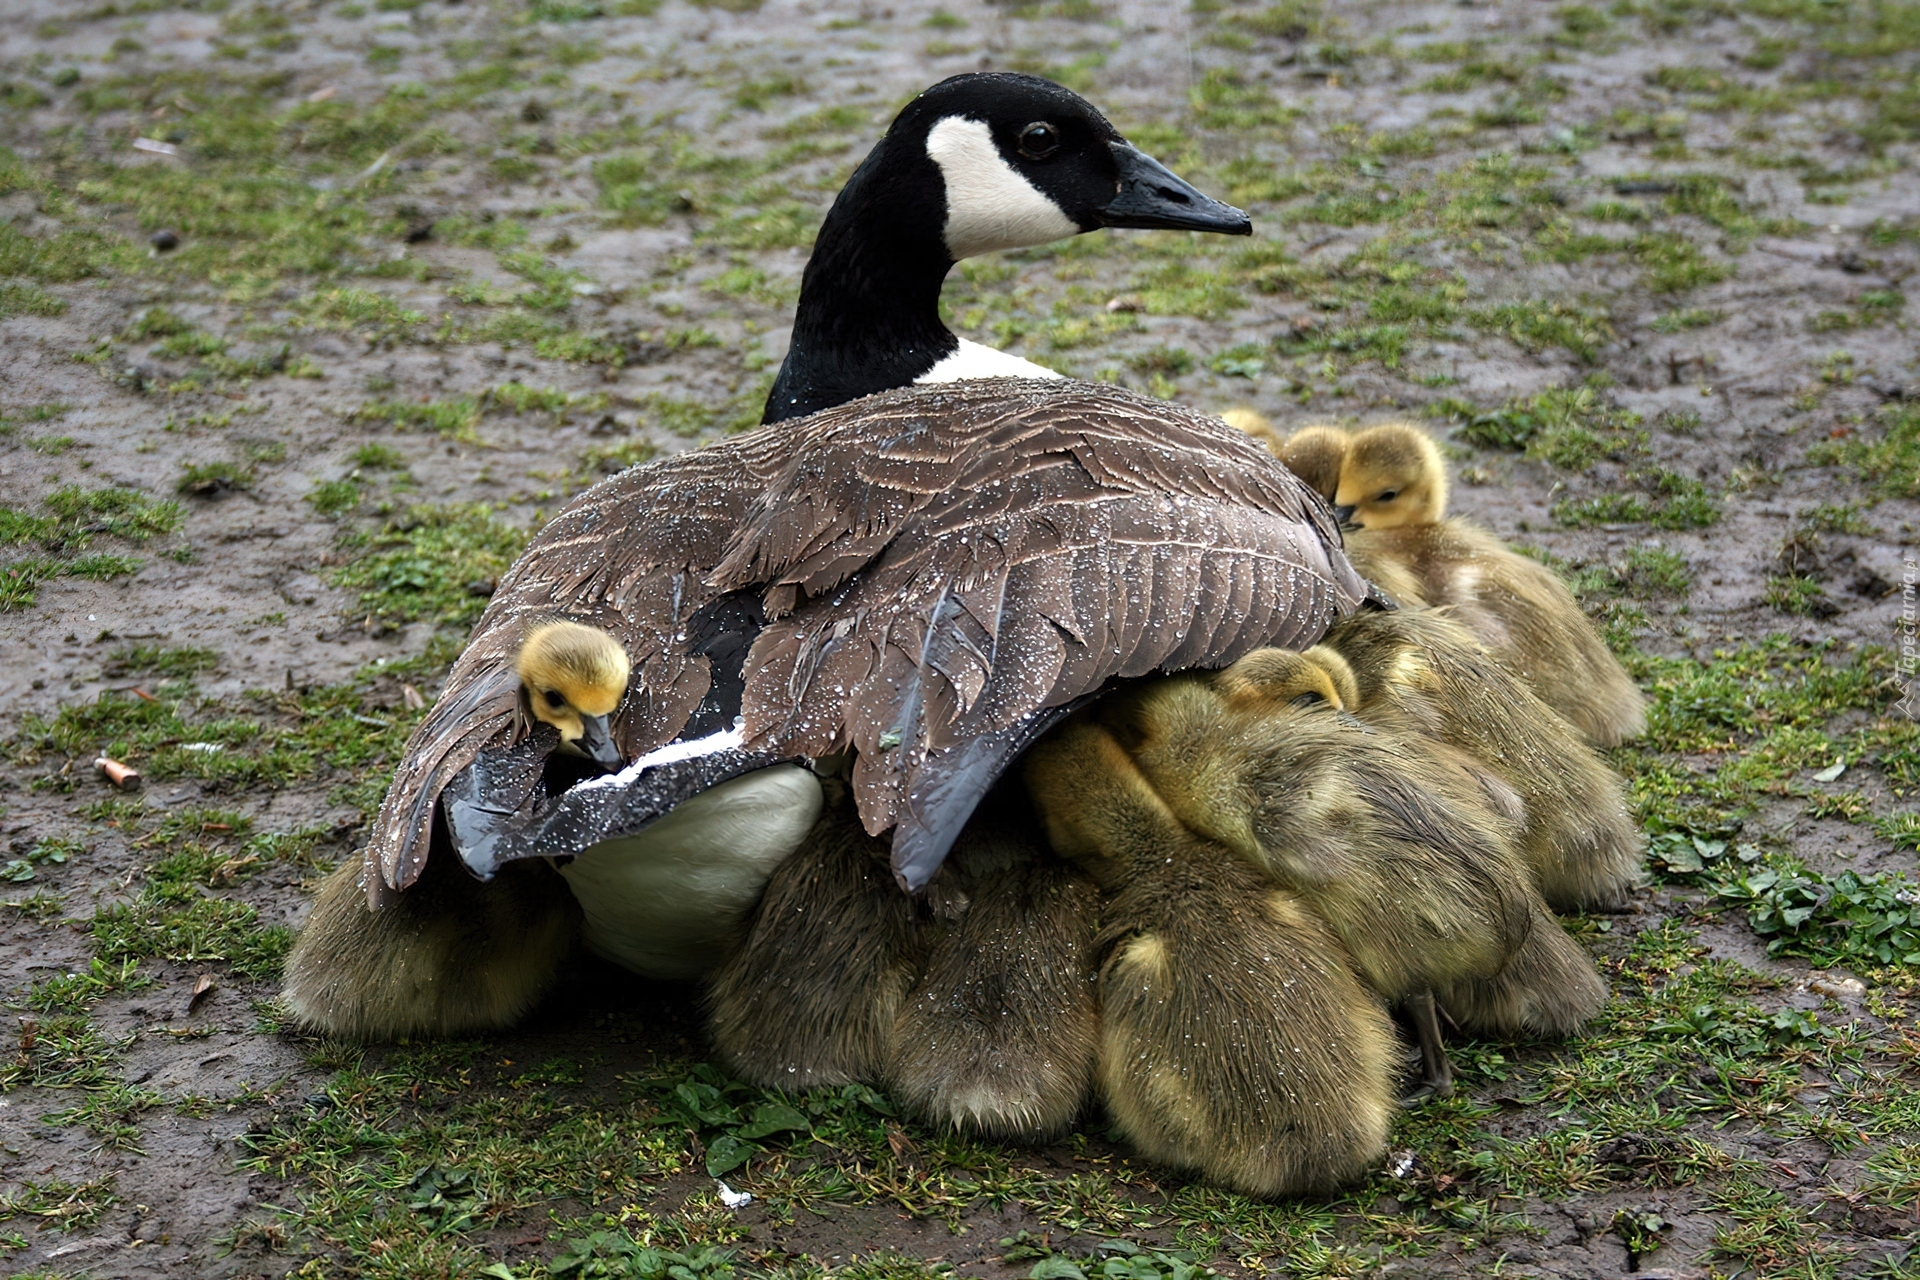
(449, 956)
(1437, 1068)
(810, 995)
(999, 1034)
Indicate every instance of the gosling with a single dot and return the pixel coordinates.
(1235, 1040)
(1391, 840)
(1420, 673)
(1549, 986)
(453, 956)
(1000, 1033)
(573, 677)
(1390, 484)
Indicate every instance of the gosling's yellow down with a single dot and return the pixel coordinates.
(452, 955)
(1235, 1039)
(1548, 985)
(1390, 485)
(1419, 672)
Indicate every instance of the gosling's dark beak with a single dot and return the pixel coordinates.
(1345, 516)
(596, 740)
(1152, 198)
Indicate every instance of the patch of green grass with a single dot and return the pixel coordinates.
(123, 513)
(1540, 325)
(1761, 713)
(455, 418)
(1650, 569)
(438, 564)
(1223, 99)
(20, 581)
(1386, 343)
(18, 298)
(1890, 464)
(1569, 427)
(59, 258)
(1685, 319)
(1673, 264)
(1287, 20)
(207, 479)
(353, 308)
(518, 398)
(206, 929)
(1668, 500)
(335, 497)
(65, 1205)
(1170, 362)
(379, 457)
(166, 661)
(78, 514)
(1798, 594)
(616, 1256)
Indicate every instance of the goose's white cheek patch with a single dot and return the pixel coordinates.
(989, 205)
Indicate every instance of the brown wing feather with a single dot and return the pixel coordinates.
(937, 562)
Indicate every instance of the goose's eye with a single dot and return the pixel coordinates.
(1039, 140)
(554, 699)
(1388, 496)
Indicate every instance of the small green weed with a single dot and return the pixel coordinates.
(437, 564)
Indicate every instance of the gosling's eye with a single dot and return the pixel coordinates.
(554, 699)
(1039, 140)
(1308, 699)
(1388, 496)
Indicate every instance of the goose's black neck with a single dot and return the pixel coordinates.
(869, 314)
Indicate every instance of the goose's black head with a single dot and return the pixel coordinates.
(979, 162)
(1022, 161)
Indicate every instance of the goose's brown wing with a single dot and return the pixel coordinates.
(630, 555)
(925, 575)
(944, 570)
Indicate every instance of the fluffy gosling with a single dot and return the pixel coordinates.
(1392, 484)
(573, 677)
(1235, 1039)
(1419, 672)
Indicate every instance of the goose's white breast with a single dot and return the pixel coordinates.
(975, 361)
(663, 903)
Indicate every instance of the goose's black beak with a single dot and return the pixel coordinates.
(1345, 516)
(596, 740)
(1151, 198)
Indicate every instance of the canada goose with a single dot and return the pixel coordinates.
(978, 162)
(1390, 482)
(1420, 672)
(929, 578)
(932, 577)
(1235, 1039)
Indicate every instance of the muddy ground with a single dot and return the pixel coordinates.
(311, 311)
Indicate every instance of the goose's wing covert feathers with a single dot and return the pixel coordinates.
(930, 576)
